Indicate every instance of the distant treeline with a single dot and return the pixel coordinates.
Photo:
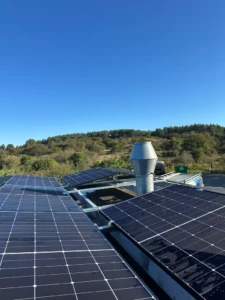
(198, 143)
(214, 130)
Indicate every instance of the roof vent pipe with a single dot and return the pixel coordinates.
(143, 159)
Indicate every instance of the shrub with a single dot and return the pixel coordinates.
(43, 164)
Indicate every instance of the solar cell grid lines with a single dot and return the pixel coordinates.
(50, 249)
(39, 203)
(183, 229)
(30, 190)
(92, 175)
(23, 197)
(34, 181)
(66, 250)
(69, 275)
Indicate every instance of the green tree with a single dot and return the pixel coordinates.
(199, 144)
(197, 153)
(95, 147)
(175, 144)
(25, 160)
(10, 148)
(30, 143)
(79, 160)
(43, 164)
(37, 150)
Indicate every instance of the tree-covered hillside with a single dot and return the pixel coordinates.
(198, 145)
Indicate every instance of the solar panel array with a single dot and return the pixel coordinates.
(49, 249)
(183, 230)
(92, 175)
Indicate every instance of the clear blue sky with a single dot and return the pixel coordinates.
(75, 66)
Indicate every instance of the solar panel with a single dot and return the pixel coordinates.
(49, 252)
(37, 203)
(70, 275)
(92, 175)
(4, 179)
(35, 198)
(43, 232)
(183, 230)
(30, 190)
(34, 181)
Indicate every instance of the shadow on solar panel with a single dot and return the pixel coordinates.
(46, 191)
(28, 190)
(4, 179)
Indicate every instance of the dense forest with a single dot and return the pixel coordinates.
(200, 146)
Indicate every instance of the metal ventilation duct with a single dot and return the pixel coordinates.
(143, 159)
